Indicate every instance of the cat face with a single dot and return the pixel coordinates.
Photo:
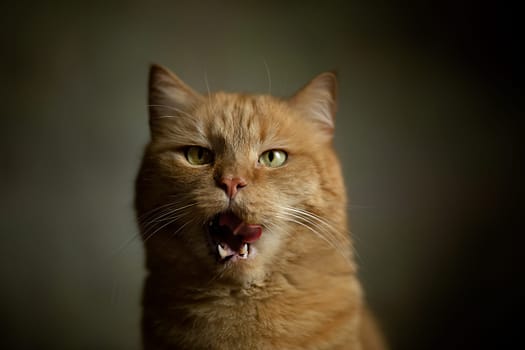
(230, 182)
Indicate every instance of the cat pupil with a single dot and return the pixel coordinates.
(201, 153)
(270, 156)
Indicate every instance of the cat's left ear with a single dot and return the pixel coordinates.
(317, 101)
(169, 97)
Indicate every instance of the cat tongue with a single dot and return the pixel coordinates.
(247, 232)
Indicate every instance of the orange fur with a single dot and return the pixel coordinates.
(298, 289)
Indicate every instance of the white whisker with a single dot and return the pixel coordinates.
(174, 109)
(321, 228)
(166, 212)
(158, 226)
(209, 105)
(149, 212)
(269, 77)
(356, 206)
(124, 245)
(142, 222)
(317, 222)
(207, 84)
(157, 218)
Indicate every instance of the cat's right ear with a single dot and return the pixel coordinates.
(316, 101)
(169, 96)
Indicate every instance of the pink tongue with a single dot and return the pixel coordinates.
(249, 233)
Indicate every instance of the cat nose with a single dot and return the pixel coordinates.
(231, 185)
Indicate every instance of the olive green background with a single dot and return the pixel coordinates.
(427, 131)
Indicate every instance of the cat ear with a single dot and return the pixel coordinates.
(168, 95)
(317, 100)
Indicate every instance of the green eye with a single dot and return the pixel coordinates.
(198, 155)
(273, 158)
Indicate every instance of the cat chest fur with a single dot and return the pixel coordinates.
(282, 314)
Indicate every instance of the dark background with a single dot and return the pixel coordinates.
(427, 129)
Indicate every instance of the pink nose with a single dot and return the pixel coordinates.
(232, 185)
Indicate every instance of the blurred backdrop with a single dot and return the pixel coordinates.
(427, 128)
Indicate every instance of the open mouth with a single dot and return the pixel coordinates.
(231, 237)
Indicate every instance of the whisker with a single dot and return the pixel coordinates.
(163, 208)
(269, 77)
(174, 109)
(316, 221)
(319, 227)
(356, 206)
(310, 228)
(149, 212)
(159, 217)
(207, 84)
(148, 235)
(181, 228)
(209, 105)
(312, 216)
(166, 212)
(152, 221)
(124, 245)
(141, 220)
(343, 253)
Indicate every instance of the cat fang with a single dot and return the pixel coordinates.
(226, 253)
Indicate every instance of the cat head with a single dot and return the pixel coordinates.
(234, 184)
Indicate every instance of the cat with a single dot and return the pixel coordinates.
(242, 211)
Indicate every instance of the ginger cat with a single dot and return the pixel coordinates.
(242, 210)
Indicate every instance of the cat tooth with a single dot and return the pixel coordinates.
(244, 250)
(222, 252)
